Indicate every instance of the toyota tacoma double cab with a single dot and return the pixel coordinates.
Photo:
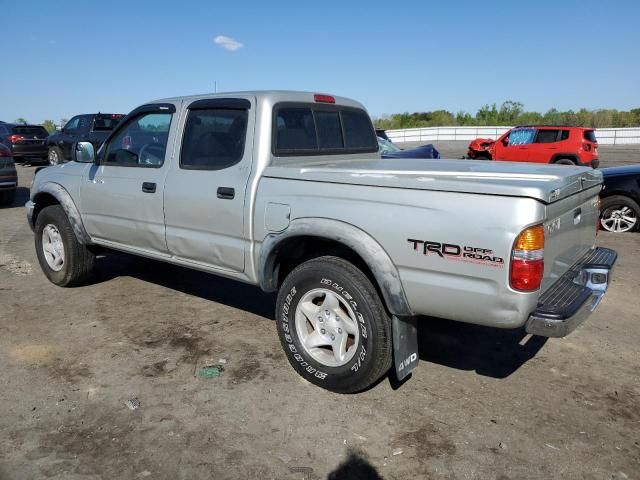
(287, 190)
(540, 144)
(94, 128)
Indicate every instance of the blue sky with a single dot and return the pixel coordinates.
(66, 57)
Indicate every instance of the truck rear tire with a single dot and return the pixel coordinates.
(333, 326)
(63, 259)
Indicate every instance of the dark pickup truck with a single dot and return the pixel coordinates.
(94, 128)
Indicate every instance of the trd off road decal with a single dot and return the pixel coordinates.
(461, 253)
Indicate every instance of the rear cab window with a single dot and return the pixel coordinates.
(301, 129)
(106, 121)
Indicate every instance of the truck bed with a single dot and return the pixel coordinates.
(547, 183)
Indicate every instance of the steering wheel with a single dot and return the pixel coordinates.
(151, 158)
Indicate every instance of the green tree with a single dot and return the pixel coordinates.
(49, 125)
(21, 120)
(63, 122)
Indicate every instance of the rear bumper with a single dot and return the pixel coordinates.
(574, 296)
(29, 150)
(8, 182)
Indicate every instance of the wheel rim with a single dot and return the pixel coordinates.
(53, 157)
(327, 327)
(618, 219)
(53, 248)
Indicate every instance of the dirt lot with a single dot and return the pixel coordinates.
(483, 403)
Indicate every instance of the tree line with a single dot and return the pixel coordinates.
(49, 125)
(512, 113)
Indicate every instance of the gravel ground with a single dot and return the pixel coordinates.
(482, 404)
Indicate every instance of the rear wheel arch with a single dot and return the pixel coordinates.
(565, 156)
(310, 238)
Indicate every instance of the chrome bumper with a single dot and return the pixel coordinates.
(574, 296)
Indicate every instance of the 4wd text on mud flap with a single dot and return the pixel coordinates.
(454, 252)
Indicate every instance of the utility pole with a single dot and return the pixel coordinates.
(215, 86)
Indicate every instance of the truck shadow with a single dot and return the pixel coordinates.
(488, 351)
(192, 282)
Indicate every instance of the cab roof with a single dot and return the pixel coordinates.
(267, 96)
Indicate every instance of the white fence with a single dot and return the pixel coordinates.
(606, 136)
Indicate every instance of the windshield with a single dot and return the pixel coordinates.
(386, 146)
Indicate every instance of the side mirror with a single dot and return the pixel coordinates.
(505, 141)
(83, 152)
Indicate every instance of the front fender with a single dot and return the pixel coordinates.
(68, 205)
(376, 258)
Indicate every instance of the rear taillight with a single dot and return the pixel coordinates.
(4, 152)
(15, 138)
(527, 260)
(586, 147)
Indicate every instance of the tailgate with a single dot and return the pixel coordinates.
(570, 231)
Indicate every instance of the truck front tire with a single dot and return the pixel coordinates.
(63, 259)
(333, 326)
(55, 156)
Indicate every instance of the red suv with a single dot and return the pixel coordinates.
(540, 144)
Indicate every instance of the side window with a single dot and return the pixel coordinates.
(84, 123)
(521, 136)
(142, 142)
(72, 124)
(214, 138)
(329, 129)
(296, 129)
(358, 130)
(564, 135)
(547, 136)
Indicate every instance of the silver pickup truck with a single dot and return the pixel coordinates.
(286, 190)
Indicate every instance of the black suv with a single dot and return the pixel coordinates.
(24, 141)
(94, 128)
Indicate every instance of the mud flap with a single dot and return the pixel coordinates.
(405, 345)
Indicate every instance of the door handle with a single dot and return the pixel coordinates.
(148, 187)
(226, 193)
